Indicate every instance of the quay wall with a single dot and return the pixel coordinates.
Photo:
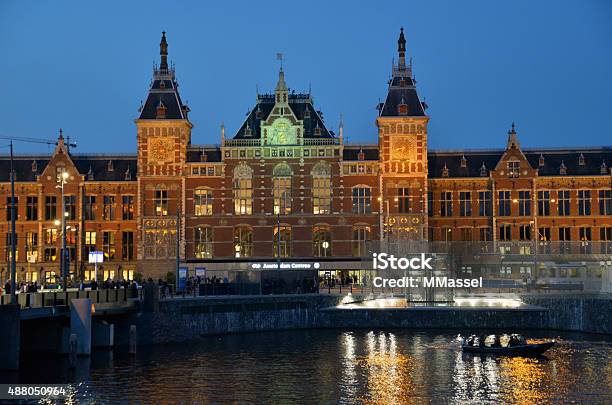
(186, 319)
(591, 313)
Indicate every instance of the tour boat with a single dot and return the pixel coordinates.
(522, 348)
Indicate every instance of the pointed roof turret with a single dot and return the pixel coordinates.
(163, 52)
(402, 90)
(281, 91)
(401, 49)
(513, 142)
(163, 93)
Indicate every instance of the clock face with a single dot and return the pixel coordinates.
(403, 148)
(160, 150)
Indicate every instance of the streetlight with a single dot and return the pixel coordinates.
(63, 179)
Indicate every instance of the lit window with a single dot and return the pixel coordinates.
(203, 202)
(243, 241)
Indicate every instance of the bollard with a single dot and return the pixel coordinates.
(72, 350)
(133, 339)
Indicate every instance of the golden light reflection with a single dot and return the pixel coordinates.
(389, 378)
(525, 378)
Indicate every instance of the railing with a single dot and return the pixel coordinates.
(59, 298)
(242, 142)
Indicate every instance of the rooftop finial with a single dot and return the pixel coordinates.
(163, 52)
(61, 134)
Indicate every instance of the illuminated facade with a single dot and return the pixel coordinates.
(285, 185)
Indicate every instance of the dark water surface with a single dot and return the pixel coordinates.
(333, 366)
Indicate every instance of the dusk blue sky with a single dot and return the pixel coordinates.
(85, 66)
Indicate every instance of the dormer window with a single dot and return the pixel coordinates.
(34, 166)
(562, 169)
(128, 175)
(90, 174)
(483, 170)
(248, 131)
(604, 168)
(203, 157)
(514, 169)
(541, 160)
(307, 112)
(402, 82)
(463, 162)
(109, 166)
(361, 155)
(402, 108)
(317, 130)
(445, 171)
(161, 110)
(162, 84)
(258, 113)
(581, 160)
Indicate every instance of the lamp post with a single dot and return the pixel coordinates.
(13, 234)
(63, 179)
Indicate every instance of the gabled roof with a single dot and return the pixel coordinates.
(553, 158)
(203, 153)
(302, 107)
(351, 152)
(93, 167)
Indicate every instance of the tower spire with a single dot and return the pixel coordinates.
(163, 52)
(401, 50)
(281, 92)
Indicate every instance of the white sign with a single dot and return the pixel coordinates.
(96, 257)
(285, 266)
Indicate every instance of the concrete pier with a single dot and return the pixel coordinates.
(80, 324)
(103, 334)
(10, 337)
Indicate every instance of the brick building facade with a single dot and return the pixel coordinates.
(285, 185)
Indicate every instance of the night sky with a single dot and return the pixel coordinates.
(479, 65)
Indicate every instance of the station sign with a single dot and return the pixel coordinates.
(285, 266)
(96, 257)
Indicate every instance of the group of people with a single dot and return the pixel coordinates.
(496, 340)
(22, 287)
(35, 286)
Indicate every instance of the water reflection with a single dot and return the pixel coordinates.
(328, 366)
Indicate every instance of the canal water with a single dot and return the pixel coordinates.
(333, 366)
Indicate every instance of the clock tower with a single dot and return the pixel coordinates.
(402, 137)
(163, 135)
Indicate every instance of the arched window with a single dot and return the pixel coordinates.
(285, 241)
(203, 201)
(361, 236)
(282, 189)
(243, 241)
(321, 188)
(203, 246)
(321, 241)
(362, 200)
(243, 190)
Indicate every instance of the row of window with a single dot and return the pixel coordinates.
(523, 203)
(282, 237)
(50, 241)
(52, 210)
(505, 233)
